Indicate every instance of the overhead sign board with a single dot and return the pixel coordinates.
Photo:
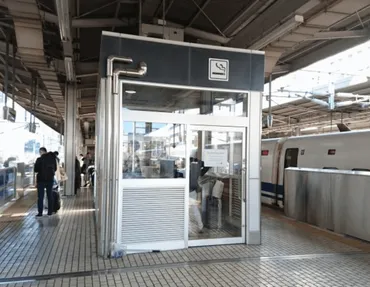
(186, 64)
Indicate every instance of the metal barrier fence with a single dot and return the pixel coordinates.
(8, 184)
(336, 200)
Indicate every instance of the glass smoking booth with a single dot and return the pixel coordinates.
(178, 139)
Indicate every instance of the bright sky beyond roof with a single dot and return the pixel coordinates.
(344, 69)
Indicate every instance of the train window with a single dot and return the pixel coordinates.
(329, 168)
(291, 157)
(361, 169)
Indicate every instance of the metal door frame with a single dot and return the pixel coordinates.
(228, 240)
(224, 123)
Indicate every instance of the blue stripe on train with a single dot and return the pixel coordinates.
(270, 187)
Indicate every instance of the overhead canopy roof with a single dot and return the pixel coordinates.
(312, 115)
(60, 40)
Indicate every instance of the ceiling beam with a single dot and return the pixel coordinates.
(83, 69)
(112, 22)
(20, 72)
(46, 119)
(49, 104)
(334, 35)
(101, 23)
(266, 21)
(86, 87)
(88, 22)
(281, 69)
(63, 12)
(245, 17)
(206, 35)
(87, 110)
(24, 86)
(27, 88)
(278, 32)
(158, 10)
(305, 58)
(45, 116)
(195, 17)
(50, 113)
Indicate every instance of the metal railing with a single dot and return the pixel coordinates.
(8, 184)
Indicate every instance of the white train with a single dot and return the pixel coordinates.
(346, 151)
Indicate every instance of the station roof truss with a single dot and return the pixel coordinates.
(58, 41)
(310, 114)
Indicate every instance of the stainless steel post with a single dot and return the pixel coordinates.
(253, 192)
(6, 76)
(109, 192)
(100, 171)
(116, 112)
(269, 120)
(107, 167)
(70, 137)
(15, 183)
(13, 77)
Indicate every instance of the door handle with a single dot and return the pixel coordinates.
(244, 183)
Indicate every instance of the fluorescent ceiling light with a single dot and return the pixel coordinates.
(279, 32)
(130, 92)
(68, 63)
(63, 19)
(328, 127)
(309, 129)
(219, 99)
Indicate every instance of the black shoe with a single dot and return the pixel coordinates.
(50, 214)
(39, 215)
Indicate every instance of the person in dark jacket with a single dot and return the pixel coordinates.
(45, 168)
(77, 175)
(57, 156)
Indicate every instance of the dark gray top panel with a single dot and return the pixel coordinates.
(185, 65)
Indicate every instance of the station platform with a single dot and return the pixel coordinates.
(61, 251)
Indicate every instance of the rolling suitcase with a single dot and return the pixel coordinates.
(56, 203)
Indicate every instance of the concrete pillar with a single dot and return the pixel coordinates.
(70, 137)
(253, 197)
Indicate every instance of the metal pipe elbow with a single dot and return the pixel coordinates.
(141, 71)
(112, 59)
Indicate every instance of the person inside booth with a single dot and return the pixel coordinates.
(131, 165)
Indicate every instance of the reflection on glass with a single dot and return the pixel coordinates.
(153, 150)
(215, 185)
(172, 100)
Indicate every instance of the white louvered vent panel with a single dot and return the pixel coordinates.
(152, 215)
(236, 203)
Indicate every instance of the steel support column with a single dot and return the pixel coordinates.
(70, 137)
(6, 76)
(206, 103)
(253, 192)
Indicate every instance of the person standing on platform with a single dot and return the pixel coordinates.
(45, 168)
(87, 161)
(57, 156)
(77, 175)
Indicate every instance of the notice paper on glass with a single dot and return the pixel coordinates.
(215, 157)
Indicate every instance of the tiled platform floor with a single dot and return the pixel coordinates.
(291, 254)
